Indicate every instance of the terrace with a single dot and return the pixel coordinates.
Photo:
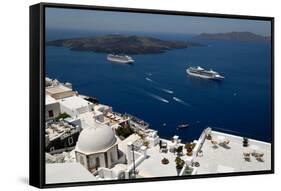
(153, 166)
(113, 118)
(109, 118)
(60, 129)
(224, 153)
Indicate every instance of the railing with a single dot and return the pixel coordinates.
(61, 150)
(139, 122)
(184, 169)
(227, 131)
(201, 140)
(138, 144)
(121, 158)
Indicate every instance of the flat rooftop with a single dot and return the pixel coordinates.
(66, 173)
(49, 100)
(221, 159)
(101, 107)
(74, 102)
(122, 145)
(87, 119)
(57, 89)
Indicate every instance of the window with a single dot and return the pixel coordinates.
(97, 162)
(70, 141)
(81, 160)
(51, 113)
(112, 156)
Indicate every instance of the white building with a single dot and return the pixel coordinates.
(48, 82)
(103, 108)
(97, 147)
(52, 108)
(75, 106)
(99, 112)
(153, 138)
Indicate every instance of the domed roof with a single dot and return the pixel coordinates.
(95, 139)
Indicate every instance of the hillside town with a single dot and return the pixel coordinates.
(86, 140)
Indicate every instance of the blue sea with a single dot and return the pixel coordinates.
(157, 89)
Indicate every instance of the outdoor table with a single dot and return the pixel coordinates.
(254, 148)
(221, 139)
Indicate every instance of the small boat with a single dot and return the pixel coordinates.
(181, 126)
(164, 124)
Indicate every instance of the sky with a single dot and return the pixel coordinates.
(93, 20)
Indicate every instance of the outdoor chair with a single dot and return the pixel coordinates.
(226, 142)
(172, 149)
(247, 156)
(163, 146)
(215, 144)
(163, 150)
(259, 156)
(179, 150)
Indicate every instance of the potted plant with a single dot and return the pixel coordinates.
(124, 131)
(165, 161)
(188, 170)
(245, 142)
(179, 164)
(146, 143)
(179, 150)
(189, 149)
(209, 136)
(62, 116)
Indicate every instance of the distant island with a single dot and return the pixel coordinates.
(238, 36)
(121, 44)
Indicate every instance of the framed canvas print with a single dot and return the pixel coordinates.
(123, 95)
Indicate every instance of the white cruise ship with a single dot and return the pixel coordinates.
(202, 73)
(124, 59)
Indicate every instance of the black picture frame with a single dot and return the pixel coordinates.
(37, 93)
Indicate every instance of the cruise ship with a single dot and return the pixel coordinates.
(202, 73)
(124, 59)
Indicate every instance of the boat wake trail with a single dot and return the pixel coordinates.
(167, 90)
(180, 101)
(151, 95)
(148, 79)
(159, 88)
(157, 97)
